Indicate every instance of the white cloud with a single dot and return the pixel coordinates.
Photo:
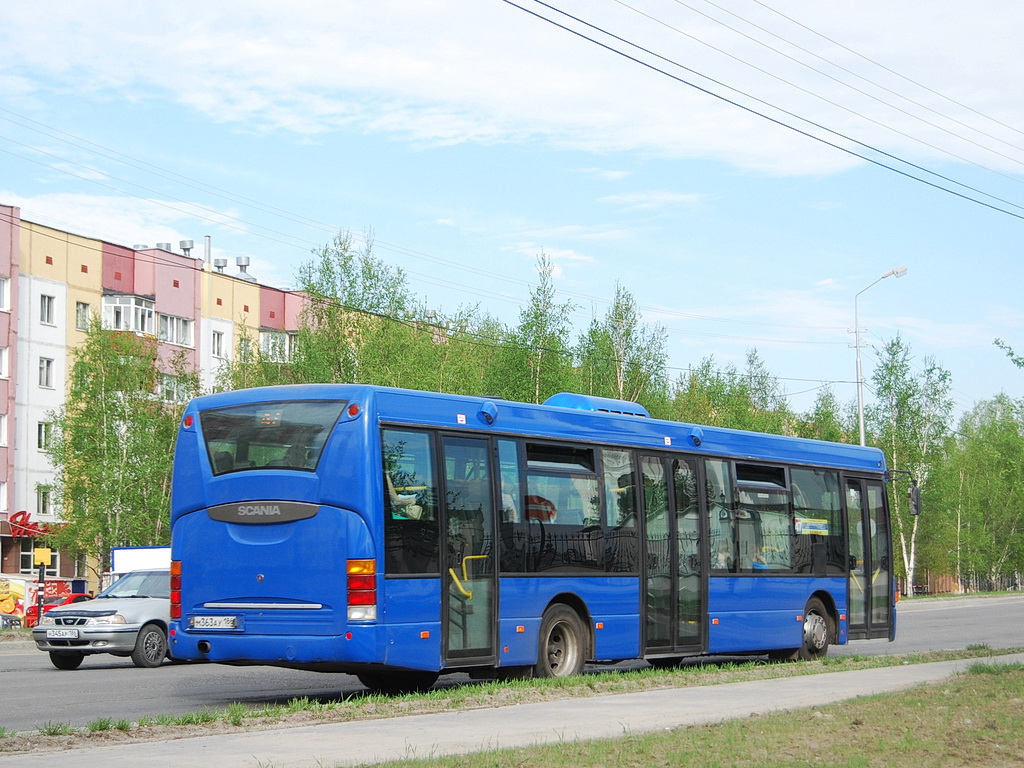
(652, 200)
(451, 71)
(604, 174)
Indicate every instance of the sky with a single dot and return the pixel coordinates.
(746, 170)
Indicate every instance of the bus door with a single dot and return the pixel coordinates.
(469, 570)
(870, 559)
(675, 602)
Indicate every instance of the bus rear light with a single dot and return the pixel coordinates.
(368, 597)
(361, 583)
(362, 590)
(175, 589)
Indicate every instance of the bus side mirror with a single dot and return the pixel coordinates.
(915, 500)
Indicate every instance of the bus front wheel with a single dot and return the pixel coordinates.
(562, 643)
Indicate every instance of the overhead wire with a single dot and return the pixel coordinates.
(839, 82)
(777, 121)
(901, 76)
(602, 300)
(249, 228)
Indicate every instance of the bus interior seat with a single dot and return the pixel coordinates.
(223, 461)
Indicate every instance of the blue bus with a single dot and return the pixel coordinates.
(397, 535)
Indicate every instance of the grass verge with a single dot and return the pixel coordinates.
(975, 720)
(365, 706)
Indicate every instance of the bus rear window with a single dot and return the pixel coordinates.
(274, 435)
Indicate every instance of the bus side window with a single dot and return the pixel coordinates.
(721, 542)
(412, 538)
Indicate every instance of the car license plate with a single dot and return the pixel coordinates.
(62, 634)
(214, 622)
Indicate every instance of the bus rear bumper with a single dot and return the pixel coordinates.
(357, 645)
(354, 649)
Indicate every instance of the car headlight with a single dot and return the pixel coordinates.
(47, 619)
(117, 618)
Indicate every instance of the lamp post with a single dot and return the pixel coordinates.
(896, 272)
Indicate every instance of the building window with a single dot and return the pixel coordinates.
(43, 500)
(44, 433)
(3, 496)
(47, 309)
(46, 372)
(82, 315)
(173, 389)
(27, 564)
(3, 429)
(128, 313)
(5, 294)
(245, 350)
(4, 363)
(217, 344)
(176, 330)
(277, 346)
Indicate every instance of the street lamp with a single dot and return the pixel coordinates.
(897, 272)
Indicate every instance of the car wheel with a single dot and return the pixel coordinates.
(66, 659)
(150, 647)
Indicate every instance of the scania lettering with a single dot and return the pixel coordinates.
(259, 510)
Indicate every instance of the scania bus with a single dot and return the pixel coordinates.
(398, 535)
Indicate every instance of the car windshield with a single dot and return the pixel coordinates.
(140, 584)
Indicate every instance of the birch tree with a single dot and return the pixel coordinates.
(112, 444)
(910, 422)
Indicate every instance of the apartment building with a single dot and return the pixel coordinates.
(51, 284)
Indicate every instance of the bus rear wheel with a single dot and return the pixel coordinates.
(562, 643)
(398, 683)
(817, 631)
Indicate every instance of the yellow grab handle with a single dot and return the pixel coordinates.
(467, 558)
(468, 593)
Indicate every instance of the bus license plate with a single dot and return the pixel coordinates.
(214, 622)
(62, 634)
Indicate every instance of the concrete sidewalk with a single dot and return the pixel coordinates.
(367, 742)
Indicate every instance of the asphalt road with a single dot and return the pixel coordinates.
(35, 693)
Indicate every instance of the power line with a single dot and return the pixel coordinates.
(845, 85)
(249, 228)
(764, 116)
(899, 75)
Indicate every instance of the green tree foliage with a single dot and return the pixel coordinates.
(536, 361)
(112, 444)
(826, 420)
(910, 422)
(726, 397)
(620, 357)
(1016, 359)
(979, 492)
